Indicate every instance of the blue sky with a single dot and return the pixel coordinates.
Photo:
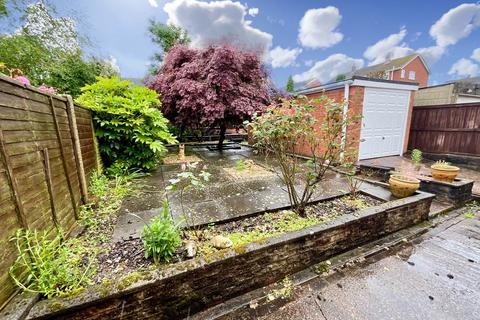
(300, 38)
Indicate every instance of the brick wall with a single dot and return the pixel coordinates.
(421, 74)
(355, 107)
(190, 286)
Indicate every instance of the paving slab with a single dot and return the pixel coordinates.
(224, 197)
(436, 277)
(406, 166)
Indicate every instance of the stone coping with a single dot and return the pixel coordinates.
(190, 286)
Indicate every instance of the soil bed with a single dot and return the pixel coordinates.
(127, 256)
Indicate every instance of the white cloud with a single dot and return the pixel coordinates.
(217, 22)
(330, 68)
(456, 24)
(464, 68)
(476, 54)
(318, 28)
(282, 58)
(390, 47)
(309, 63)
(432, 54)
(253, 11)
(153, 3)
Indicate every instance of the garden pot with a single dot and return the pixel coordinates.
(402, 186)
(445, 173)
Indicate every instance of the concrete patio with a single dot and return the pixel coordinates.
(406, 166)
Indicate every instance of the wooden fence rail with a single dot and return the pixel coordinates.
(47, 154)
(446, 129)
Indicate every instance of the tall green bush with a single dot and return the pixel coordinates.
(131, 130)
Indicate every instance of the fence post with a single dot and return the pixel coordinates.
(77, 151)
(13, 184)
(62, 155)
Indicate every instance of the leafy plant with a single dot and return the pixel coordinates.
(472, 209)
(50, 267)
(354, 184)
(98, 184)
(192, 177)
(240, 165)
(441, 164)
(161, 237)
(417, 157)
(290, 126)
(131, 131)
(225, 87)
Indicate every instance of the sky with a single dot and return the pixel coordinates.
(304, 39)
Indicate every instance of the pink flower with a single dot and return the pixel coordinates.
(44, 88)
(22, 79)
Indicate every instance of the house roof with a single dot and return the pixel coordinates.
(393, 64)
(474, 80)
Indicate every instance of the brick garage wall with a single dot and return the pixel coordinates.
(355, 107)
(193, 285)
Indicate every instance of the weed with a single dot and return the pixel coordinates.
(240, 165)
(189, 178)
(50, 267)
(161, 237)
(472, 209)
(98, 184)
(323, 267)
(285, 291)
(416, 156)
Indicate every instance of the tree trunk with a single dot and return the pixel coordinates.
(223, 129)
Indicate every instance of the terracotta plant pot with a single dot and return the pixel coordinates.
(402, 186)
(445, 173)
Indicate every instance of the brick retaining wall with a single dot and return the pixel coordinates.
(190, 286)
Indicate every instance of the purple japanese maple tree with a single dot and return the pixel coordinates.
(218, 86)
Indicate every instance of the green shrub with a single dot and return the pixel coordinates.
(50, 267)
(161, 237)
(131, 131)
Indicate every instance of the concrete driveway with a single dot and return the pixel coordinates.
(435, 277)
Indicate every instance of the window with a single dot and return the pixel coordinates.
(411, 75)
(402, 74)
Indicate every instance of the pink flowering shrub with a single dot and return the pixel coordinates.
(46, 89)
(218, 86)
(22, 79)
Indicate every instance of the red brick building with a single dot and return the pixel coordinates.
(385, 107)
(411, 68)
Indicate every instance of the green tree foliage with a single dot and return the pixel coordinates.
(3, 8)
(47, 50)
(290, 85)
(340, 77)
(28, 54)
(165, 36)
(73, 73)
(128, 124)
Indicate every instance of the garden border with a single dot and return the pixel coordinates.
(190, 286)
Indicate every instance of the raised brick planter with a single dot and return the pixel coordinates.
(457, 193)
(190, 286)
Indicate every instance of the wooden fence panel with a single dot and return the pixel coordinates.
(446, 129)
(40, 170)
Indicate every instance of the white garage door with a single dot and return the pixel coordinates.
(383, 123)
